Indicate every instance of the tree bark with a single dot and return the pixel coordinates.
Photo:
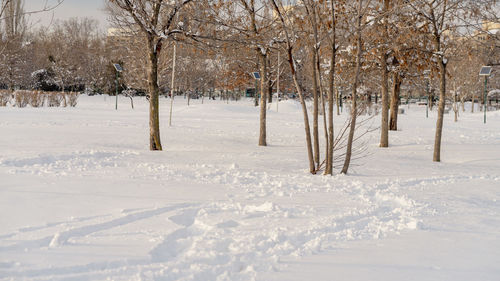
(263, 96)
(396, 90)
(331, 91)
(354, 108)
(384, 128)
(315, 107)
(312, 168)
(154, 122)
(439, 123)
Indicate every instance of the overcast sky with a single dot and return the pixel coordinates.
(68, 9)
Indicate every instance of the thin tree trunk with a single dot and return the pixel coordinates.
(263, 96)
(331, 91)
(312, 168)
(323, 105)
(439, 123)
(315, 108)
(154, 116)
(396, 90)
(354, 109)
(384, 128)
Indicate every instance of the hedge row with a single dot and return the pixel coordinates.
(23, 98)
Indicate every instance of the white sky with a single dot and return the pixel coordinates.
(68, 9)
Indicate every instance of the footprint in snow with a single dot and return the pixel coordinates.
(186, 218)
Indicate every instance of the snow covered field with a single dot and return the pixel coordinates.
(82, 198)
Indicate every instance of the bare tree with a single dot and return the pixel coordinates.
(287, 31)
(438, 21)
(156, 21)
(360, 13)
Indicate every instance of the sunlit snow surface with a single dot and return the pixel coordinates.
(82, 197)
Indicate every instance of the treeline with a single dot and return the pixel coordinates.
(69, 55)
(323, 51)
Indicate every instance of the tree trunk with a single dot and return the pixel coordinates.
(396, 90)
(331, 91)
(263, 96)
(154, 119)
(315, 107)
(312, 168)
(384, 128)
(354, 109)
(439, 123)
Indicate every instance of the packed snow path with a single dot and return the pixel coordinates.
(81, 198)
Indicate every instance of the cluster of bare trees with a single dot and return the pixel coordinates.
(70, 55)
(324, 51)
(355, 44)
(363, 43)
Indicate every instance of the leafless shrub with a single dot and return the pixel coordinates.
(64, 101)
(72, 98)
(5, 97)
(54, 99)
(36, 98)
(22, 98)
(361, 140)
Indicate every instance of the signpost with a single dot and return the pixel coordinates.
(118, 69)
(486, 72)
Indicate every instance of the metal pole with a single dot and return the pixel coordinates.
(485, 96)
(427, 89)
(427, 108)
(278, 83)
(256, 98)
(172, 85)
(116, 100)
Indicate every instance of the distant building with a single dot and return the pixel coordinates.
(489, 31)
